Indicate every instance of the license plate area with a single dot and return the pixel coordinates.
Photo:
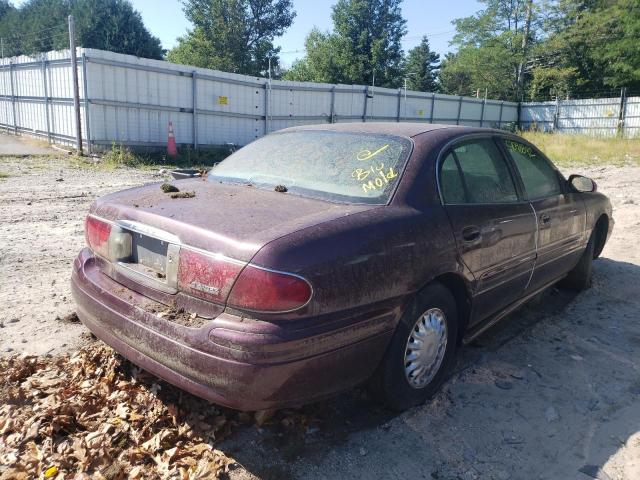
(149, 252)
(153, 258)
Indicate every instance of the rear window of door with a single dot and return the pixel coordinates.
(540, 179)
(475, 171)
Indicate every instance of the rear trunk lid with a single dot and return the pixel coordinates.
(221, 221)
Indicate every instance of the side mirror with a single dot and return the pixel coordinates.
(582, 184)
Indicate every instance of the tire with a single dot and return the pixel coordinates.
(435, 309)
(579, 278)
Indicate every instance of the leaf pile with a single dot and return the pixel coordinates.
(95, 415)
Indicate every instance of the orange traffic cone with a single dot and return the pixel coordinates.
(172, 150)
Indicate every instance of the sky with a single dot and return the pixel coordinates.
(165, 19)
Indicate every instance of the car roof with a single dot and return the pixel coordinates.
(402, 129)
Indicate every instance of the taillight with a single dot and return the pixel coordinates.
(263, 290)
(97, 235)
(207, 276)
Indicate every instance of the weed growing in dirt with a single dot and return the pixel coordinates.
(119, 156)
(122, 156)
(580, 150)
(4, 175)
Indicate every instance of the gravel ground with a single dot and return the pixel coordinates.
(553, 392)
(43, 204)
(13, 145)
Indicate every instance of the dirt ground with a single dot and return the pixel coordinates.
(553, 392)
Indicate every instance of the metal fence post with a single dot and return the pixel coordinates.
(500, 116)
(46, 97)
(332, 112)
(459, 110)
(433, 104)
(622, 112)
(266, 108)
(556, 114)
(74, 76)
(366, 103)
(484, 102)
(399, 104)
(194, 106)
(13, 99)
(87, 117)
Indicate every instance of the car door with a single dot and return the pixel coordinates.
(494, 228)
(560, 213)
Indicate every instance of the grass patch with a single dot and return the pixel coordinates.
(121, 156)
(4, 175)
(580, 150)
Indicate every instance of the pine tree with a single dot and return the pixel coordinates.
(421, 68)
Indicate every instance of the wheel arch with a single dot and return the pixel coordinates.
(456, 284)
(601, 230)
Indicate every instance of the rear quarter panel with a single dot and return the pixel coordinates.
(372, 262)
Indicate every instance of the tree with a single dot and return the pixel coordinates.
(364, 47)
(324, 61)
(421, 68)
(233, 35)
(489, 68)
(41, 25)
(590, 49)
(5, 7)
(115, 26)
(494, 47)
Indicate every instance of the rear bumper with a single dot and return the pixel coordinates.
(239, 364)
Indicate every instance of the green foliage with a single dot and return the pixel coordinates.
(324, 62)
(553, 82)
(493, 46)
(520, 48)
(233, 35)
(610, 34)
(590, 49)
(41, 25)
(421, 68)
(122, 156)
(364, 47)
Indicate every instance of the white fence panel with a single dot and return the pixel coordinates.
(632, 117)
(131, 101)
(595, 117)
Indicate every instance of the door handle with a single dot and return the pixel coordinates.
(471, 233)
(544, 218)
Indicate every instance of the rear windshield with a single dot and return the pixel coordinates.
(348, 167)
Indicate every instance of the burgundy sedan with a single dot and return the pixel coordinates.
(319, 257)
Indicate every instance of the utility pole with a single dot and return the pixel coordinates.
(523, 53)
(405, 92)
(76, 91)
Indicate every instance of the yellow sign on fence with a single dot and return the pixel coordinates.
(223, 101)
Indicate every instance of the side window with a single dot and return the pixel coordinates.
(538, 176)
(451, 181)
(483, 175)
